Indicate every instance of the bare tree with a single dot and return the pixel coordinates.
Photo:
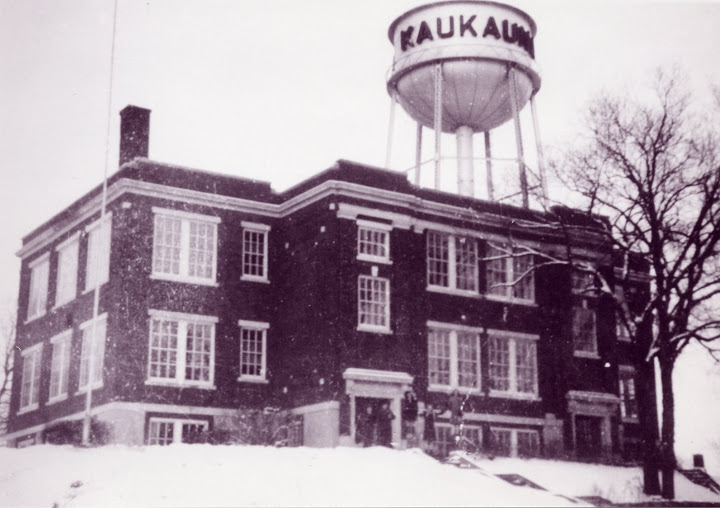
(651, 166)
(7, 352)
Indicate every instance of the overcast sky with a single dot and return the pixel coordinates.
(275, 89)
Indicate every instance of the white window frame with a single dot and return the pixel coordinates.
(60, 366)
(514, 438)
(511, 277)
(98, 350)
(183, 319)
(627, 369)
(104, 235)
(513, 338)
(38, 294)
(177, 427)
(585, 307)
(258, 326)
(31, 378)
(185, 219)
(262, 229)
(452, 265)
(67, 270)
(374, 227)
(366, 327)
(453, 330)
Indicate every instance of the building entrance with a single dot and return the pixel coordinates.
(588, 436)
(368, 388)
(369, 422)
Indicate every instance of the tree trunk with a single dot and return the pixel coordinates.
(648, 420)
(667, 441)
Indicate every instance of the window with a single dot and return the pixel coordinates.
(30, 384)
(255, 252)
(97, 347)
(184, 246)
(512, 364)
(510, 274)
(628, 397)
(253, 351)
(182, 349)
(621, 329)
(584, 330)
(67, 270)
(373, 241)
(98, 271)
(60, 366)
(373, 304)
(39, 272)
(452, 262)
(446, 442)
(453, 357)
(165, 431)
(515, 442)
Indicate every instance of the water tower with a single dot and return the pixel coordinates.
(465, 67)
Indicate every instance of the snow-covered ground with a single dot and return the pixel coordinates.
(205, 475)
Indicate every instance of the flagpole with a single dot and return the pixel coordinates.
(100, 244)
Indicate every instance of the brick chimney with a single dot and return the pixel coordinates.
(134, 133)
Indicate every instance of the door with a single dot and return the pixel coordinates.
(588, 437)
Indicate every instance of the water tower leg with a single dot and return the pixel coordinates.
(488, 167)
(391, 129)
(465, 171)
(418, 154)
(518, 138)
(438, 120)
(540, 153)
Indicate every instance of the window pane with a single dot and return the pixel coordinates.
(59, 368)
(526, 364)
(438, 259)
(97, 270)
(528, 443)
(37, 302)
(198, 352)
(524, 278)
(373, 305)
(67, 273)
(254, 253)
(499, 351)
(502, 442)
(584, 330)
(98, 354)
(201, 251)
(439, 357)
(496, 268)
(373, 242)
(628, 399)
(468, 359)
(163, 348)
(166, 245)
(251, 352)
(466, 262)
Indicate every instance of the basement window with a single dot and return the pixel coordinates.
(165, 431)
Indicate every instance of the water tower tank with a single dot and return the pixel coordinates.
(477, 43)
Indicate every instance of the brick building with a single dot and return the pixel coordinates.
(219, 294)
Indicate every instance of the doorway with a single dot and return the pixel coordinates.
(367, 409)
(588, 436)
